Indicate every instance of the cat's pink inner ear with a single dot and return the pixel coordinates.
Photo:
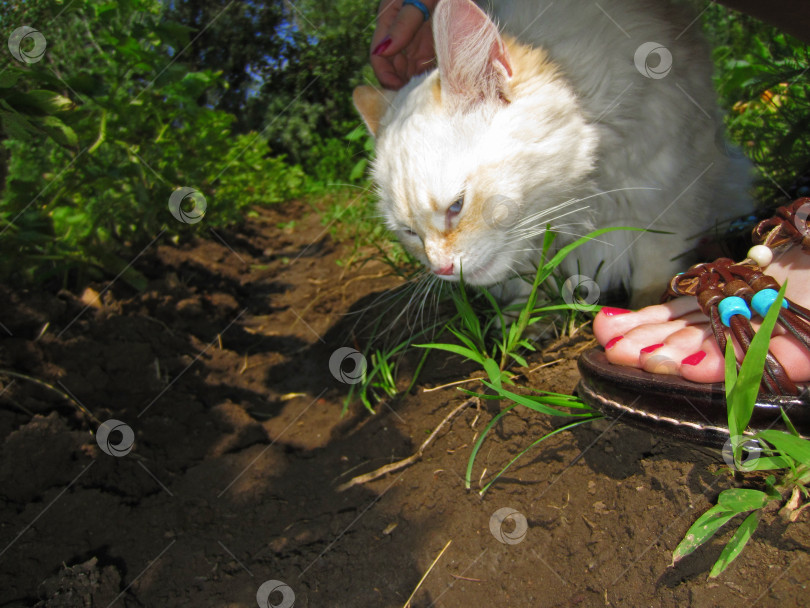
(473, 62)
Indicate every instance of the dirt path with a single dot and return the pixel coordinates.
(220, 370)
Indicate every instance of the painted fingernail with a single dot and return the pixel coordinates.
(651, 348)
(609, 311)
(612, 342)
(380, 48)
(694, 358)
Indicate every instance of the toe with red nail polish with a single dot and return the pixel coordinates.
(694, 358)
(610, 311)
(612, 342)
(651, 348)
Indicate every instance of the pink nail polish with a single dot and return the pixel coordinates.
(651, 348)
(612, 342)
(380, 48)
(609, 311)
(694, 358)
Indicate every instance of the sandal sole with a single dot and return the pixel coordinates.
(675, 407)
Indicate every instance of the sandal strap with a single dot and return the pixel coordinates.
(711, 283)
(788, 225)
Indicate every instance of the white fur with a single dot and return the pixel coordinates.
(638, 151)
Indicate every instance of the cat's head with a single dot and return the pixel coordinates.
(470, 155)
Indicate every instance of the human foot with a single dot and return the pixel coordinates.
(676, 337)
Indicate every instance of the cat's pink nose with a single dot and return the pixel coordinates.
(445, 270)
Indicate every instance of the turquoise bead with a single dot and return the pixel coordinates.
(763, 300)
(731, 306)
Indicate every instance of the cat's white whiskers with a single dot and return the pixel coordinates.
(530, 219)
(533, 231)
(429, 283)
(422, 288)
(603, 192)
(557, 230)
(389, 298)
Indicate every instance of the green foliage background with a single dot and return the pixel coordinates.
(135, 98)
(249, 102)
(762, 81)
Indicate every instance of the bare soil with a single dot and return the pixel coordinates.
(221, 370)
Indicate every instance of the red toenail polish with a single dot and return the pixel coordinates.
(694, 358)
(380, 48)
(651, 348)
(609, 311)
(612, 343)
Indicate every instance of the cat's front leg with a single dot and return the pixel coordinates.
(651, 263)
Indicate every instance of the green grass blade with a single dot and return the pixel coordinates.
(555, 307)
(788, 445)
(768, 463)
(736, 544)
(480, 441)
(701, 531)
(456, 349)
(562, 253)
(548, 241)
(742, 396)
(495, 307)
(520, 360)
(464, 339)
(791, 429)
(534, 403)
(418, 370)
(740, 500)
(468, 316)
(493, 371)
(566, 427)
(731, 380)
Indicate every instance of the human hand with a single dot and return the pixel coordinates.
(402, 45)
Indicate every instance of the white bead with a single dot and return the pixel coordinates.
(761, 254)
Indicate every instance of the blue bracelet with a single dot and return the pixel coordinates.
(419, 5)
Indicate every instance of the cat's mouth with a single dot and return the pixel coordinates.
(482, 275)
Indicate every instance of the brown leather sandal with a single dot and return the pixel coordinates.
(727, 292)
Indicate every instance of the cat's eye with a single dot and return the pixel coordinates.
(455, 208)
(409, 232)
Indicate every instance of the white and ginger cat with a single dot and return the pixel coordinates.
(567, 118)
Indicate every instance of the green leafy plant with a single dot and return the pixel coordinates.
(96, 138)
(783, 451)
(760, 80)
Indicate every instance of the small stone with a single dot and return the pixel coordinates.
(90, 297)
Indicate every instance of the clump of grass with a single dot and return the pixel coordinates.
(509, 347)
(543, 402)
(786, 452)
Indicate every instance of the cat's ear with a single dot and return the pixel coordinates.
(371, 103)
(472, 57)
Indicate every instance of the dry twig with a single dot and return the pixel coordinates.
(407, 604)
(61, 393)
(405, 462)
